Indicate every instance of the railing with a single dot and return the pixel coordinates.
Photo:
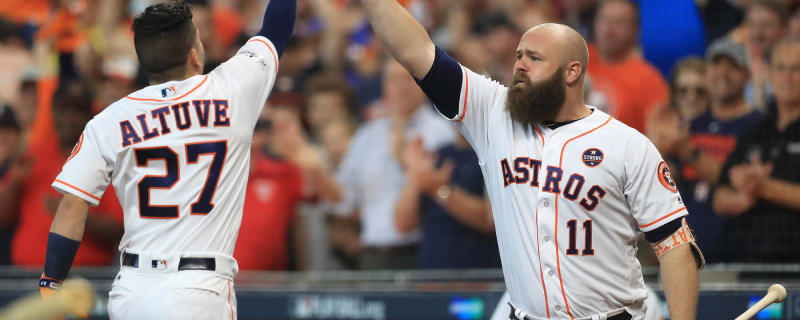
(726, 290)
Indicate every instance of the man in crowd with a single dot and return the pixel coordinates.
(446, 197)
(760, 180)
(712, 136)
(371, 174)
(624, 84)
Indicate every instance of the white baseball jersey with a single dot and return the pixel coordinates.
(178, 155)
(569, 204)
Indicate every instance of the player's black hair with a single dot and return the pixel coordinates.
(163, 35)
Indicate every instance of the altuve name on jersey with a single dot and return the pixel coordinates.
(526, 171)
(181, 112)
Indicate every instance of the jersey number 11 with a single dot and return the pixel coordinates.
(587, 228)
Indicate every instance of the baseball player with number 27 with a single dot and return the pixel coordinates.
(178, 155)
(572, 189)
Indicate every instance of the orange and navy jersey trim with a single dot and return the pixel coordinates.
(205, 77)
(541, 274)
(466, 94)
(233, 312)
(541, 136)
(662, 218)
(561, 159)
(558, 259)
(76, 149)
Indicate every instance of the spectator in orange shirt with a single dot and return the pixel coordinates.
(37, 201)
(624, 84)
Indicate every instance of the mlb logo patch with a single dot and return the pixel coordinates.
(166, 92)
(158, 264)
(592, 157)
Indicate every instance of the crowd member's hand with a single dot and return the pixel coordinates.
(748, 178)
(668, 132)
(292, 142)
(759, 173)
(741, 179)
(421, 167)
(20, 168)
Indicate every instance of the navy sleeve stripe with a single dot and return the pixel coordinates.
(278, 23)
(442, 84)
(658, 234)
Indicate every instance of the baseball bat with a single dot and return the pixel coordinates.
(775, 293)
(75, 297)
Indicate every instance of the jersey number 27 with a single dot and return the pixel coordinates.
(203, 204)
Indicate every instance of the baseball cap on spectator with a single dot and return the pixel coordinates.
(8, 119)
(726, 47)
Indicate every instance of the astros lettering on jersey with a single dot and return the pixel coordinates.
(178, 155)
(568, 203)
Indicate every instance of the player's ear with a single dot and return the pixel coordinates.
(195, 60)
(573, 72)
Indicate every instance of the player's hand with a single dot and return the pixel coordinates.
(49, 287)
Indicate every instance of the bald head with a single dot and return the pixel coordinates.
(568, 45)
(548, 75)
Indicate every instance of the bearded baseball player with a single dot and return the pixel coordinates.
(572, 189)
(178, 154)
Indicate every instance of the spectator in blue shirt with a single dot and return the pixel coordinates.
(445, 198)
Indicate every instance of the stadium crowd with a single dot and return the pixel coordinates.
(352, 168)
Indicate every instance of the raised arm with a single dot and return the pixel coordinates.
(403, 36)
(279, 23)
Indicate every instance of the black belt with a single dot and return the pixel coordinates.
(622, 316)
(185, 263)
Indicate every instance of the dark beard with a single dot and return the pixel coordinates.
(537, 102)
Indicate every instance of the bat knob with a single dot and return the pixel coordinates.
(778, 291)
